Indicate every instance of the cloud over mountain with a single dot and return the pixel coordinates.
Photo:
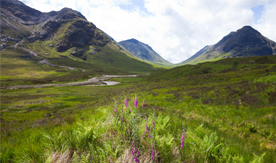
(175, 28)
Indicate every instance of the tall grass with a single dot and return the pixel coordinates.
(227, 118)
(142, 135)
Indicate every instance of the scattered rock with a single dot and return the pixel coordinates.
(5, 39)
(25, 57)
(32, 38)
(92, 52)
(48, 29)
(46, 54)
(97, 49)
(3, 46)
(51, 45)
(78, 53)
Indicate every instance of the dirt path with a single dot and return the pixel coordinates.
(95, 81)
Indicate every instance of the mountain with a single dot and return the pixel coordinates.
(245, 42)
(143, 51)
(64, 38)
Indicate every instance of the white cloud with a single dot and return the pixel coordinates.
(176, 29)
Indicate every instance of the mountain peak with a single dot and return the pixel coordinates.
(68, 13)
(142, 51)
(245, 42)
(248, 29)
(133, 41)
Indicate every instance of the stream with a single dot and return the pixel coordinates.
(95, 81)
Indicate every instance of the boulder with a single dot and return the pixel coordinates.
(32, 38)
(3, 46)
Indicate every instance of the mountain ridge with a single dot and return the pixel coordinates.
(245, 42)
(64, 35)
(143, 51)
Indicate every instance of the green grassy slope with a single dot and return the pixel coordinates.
(227, 108)
(64, 38)
(19, 68)
(92, 60)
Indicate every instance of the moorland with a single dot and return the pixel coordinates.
(226, 109)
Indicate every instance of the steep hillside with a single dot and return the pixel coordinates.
(143, 51)
(61, 38)
(245, 42)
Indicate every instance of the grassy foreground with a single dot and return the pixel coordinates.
(222, 111)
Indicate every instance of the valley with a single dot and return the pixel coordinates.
(70, 93)
(227, 105)
(95, 81)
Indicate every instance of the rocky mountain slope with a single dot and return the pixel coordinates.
(245, 42)
(143, 51)
(64, 34)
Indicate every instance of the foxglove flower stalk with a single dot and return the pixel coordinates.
(126, 104)
(136, 101)
(115, 109)
(143, 134)
(143, 105)
(152, 154)
(135, 152)
(132, 149)
(136, 159)
(183, 137)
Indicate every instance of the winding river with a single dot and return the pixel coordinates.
(95, 81)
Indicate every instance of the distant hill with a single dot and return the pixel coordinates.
(245, 42)
(64, 35)
(143, 51)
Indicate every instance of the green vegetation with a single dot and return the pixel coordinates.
(227, 111)
(19, 67)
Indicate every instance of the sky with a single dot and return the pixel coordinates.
(175, 29)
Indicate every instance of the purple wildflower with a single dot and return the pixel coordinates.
(132, 149)
(149, 135)
(135, 153)
(126, 104)
(152, 154)
(115, 109)
(138, 155)
(143, 105)
(136, 159)
(147, 127)
(183, 138)
(136, 101)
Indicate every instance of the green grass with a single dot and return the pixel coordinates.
(127, 80)
(228, 114)
(16, 70)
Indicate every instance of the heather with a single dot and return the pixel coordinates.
(211, 112)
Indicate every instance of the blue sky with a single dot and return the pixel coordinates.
(176, 29)
(258, 11)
